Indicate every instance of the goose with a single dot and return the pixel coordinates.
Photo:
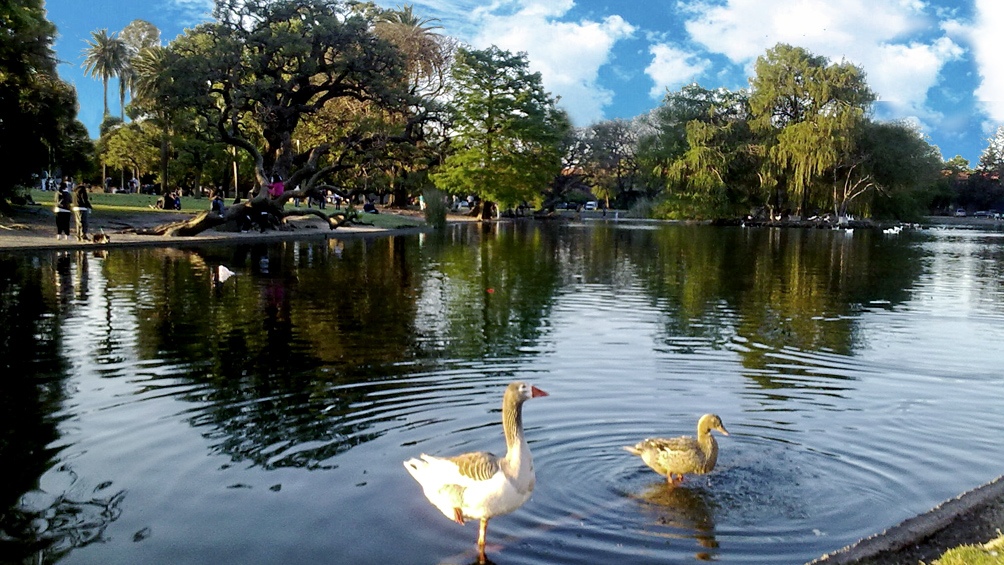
(677, 456)
(479, 485)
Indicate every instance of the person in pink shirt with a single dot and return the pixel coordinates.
(276, 188)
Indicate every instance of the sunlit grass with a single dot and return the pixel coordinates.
(990, 553)
(123, 204)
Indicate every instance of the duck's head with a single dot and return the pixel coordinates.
(710, 422)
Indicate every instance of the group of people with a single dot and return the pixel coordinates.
(169, 201)
(73, 200)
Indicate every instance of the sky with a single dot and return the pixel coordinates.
(934, 63)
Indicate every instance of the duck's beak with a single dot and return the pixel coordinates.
(723, 430)
(535, 392)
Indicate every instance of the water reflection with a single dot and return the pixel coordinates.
(313, 371)
(684, 510)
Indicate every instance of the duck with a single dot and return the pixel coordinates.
(479, 485)
(679, 456)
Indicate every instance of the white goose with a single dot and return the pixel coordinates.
(479, 485)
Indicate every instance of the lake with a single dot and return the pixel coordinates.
(153, 416)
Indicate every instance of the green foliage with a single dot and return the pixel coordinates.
(39, 131)
(808, 110)
(508, 130)
(132, 147)
(435, 207)
(610, 160)
(265, 65)
(105, 57)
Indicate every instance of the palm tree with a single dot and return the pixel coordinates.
(137, 36)
(150, 79)
(104, 57)
(425, 51)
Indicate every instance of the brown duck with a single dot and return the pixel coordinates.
(678, 456)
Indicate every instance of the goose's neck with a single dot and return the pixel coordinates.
(512, 425)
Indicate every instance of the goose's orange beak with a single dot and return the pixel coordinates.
(535, 392)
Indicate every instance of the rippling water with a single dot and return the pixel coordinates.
(150, 416)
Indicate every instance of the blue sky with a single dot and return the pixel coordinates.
(933, 62)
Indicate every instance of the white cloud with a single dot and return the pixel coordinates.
(567, 54)
(987, 23)
(901, 74)
(881, 36)
(672, 68)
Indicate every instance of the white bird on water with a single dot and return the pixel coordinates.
(223, 273)
(479, 485)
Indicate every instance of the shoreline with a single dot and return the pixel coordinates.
(974, 517)
(34, 229)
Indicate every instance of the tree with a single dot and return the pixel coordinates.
(507, 131)
(256, 73)
(427, 54)
(152, 97)
(611, 163)
(809, 110)
(992, 157)
(891, 159)
(720, 168)
(39, 132)
(131, 147)
(104, 57)
(137, 36)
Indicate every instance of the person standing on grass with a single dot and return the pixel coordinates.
(82, 211)
(64, 207)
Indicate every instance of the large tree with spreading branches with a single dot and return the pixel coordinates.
(262, 68)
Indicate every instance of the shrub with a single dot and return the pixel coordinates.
(435, 207)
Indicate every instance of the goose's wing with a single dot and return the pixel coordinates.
(446, 480)
(477, 465)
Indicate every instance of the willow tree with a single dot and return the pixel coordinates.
(808, 109)
(263, 66)
(718, 166)
(507, 131)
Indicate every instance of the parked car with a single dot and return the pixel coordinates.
(591, 205)
(960, 213)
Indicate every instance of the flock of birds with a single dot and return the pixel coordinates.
(480, 486)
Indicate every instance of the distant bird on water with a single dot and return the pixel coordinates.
(479, 485)
(675, 457)
(223, 273)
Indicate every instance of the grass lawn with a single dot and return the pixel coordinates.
(124, 204)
